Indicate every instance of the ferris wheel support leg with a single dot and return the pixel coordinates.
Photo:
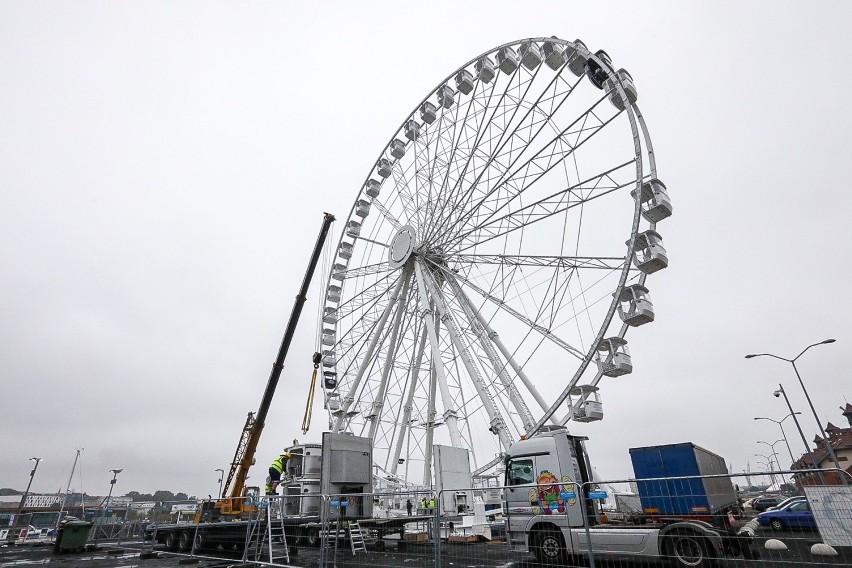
(393, 346)
(409, 402)
(430, 428)
(437, 366)
(486, 335)
(377, 334)
(498, 423)
(495, 338)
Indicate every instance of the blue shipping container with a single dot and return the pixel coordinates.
(693, 498)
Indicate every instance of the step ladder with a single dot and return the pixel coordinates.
(356, 537)
(269, 537)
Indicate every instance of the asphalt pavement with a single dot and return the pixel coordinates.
(475, 555)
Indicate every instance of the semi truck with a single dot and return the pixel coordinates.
(553, 510)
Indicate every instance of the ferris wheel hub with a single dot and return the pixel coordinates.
(401, 246)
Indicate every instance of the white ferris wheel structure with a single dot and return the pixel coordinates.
(494, 258)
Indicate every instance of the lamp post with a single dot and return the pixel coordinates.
(774, 453)
(115, 473)
(792, 361)
(221, 476)
(771, 469)
(783, 434)
(24, 498)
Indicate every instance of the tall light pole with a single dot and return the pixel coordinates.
(792, 361)
(808, 451)
(115, 473)
(771, 469)
(221, 476)
(24, 498)
(783, 434)
(772, 446)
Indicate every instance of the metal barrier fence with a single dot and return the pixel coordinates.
(690, 521)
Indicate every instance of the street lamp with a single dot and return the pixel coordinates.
(115, 473)
(24, 498)
(774, 453)
(769, 463)
(779, 422)
(221, 476)
(807, 396)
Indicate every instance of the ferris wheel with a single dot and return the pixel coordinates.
(509, 219)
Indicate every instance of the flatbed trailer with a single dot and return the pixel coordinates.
(237, 535)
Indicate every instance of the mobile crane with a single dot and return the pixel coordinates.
(232, 501)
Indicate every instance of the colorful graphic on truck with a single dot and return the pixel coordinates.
(549, 498)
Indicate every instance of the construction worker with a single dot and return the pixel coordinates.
(276, 468)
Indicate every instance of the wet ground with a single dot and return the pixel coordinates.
(476, 555)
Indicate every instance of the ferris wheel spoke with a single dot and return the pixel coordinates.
(493, 337)
(377, 332)
(510, 109)
(504, 306)
(540, 261)
(556, 203)
(533, 168)
(393, 346)
(539, 113)
(481, 330)
(387, 214)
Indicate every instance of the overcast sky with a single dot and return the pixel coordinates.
(164, 168)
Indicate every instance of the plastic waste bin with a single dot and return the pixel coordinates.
(72, 536)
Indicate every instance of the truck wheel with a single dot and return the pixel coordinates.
(777, 524)
(185, 541)
(687, 549)
(548, 547)
(200, 541)
(171, 541)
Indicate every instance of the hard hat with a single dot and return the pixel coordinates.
(287, 454)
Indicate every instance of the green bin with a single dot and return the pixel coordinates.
(72, 536)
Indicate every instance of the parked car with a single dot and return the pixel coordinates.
(783, 503)
(796, 514)
(765, 501)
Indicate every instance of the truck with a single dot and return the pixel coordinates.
(552, 509)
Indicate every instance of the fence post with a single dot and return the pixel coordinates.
(437, 529)
(581, 495)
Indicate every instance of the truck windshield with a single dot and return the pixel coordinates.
(520, 472)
